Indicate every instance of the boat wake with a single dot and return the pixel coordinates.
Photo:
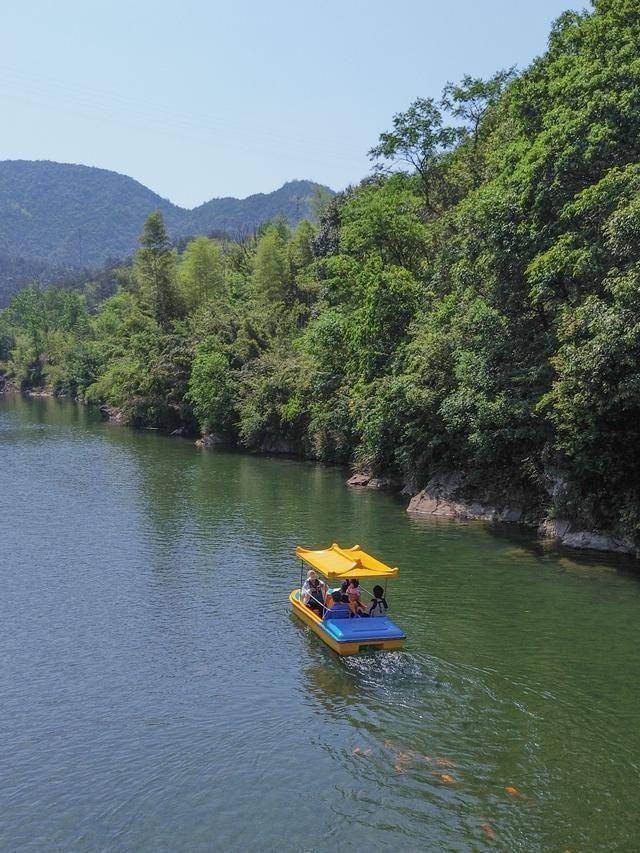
(393, 669)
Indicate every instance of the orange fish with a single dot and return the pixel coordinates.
(447, 779)
(443, 762)
(399, 768)
(488, 830)
(514, 792)
(356, 751)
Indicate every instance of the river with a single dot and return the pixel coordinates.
(158, 695)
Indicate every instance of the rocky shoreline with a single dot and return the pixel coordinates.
(445, 496)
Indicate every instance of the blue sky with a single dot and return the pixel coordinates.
(205, 98)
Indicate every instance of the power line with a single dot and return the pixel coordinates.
(114, 108)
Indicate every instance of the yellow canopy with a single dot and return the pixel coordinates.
(337, 562)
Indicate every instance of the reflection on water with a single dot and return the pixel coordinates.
(158, 694)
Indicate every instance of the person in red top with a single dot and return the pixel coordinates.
(353, 594)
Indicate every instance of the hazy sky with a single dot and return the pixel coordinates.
(201, 98)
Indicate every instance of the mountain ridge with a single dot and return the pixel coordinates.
(128, 178)
(68, 216)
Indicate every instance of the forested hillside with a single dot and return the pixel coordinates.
(294, 201)
(58, 217)
(472, 306)
(16, 271)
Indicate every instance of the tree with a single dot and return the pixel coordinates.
(419, 139)
(6, 337)
(211, 388)
(493, 330)
(270, 277)
(46, 325)
(319, 202)
(595, 406)
(28, 315)
(387, 299)
(470, 99)
(201, 274)
(384, 220)
(155, 268)
(300, 247)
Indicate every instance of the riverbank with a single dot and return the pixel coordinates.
(452, 495)
(446, 495)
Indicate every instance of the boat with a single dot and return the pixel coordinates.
(345, 635)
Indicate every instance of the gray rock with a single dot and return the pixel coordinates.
(587, 540)
(364, 480)
(111, 414)
(278, 446)
(432, 501)
(554, 528)
(426, 503)
(511, 515)
(439, 499)
(560, 530)
(423, 504)
(445, 485)
(359, 481)
(210, 440)
(383, 483)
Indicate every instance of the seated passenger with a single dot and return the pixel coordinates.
(378, 605)
(338, 607)
(331, 594)
(313, 593)
(353, 595)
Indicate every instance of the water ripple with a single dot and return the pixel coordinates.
(158, 694)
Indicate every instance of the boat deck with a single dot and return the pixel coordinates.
(350, 636)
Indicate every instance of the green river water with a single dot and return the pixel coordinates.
(158, 695)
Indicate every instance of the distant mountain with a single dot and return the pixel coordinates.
(293, 201)
(59, 217)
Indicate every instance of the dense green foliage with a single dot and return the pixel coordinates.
(473, 305)
(59, 217)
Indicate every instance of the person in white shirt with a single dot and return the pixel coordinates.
(314, 593)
